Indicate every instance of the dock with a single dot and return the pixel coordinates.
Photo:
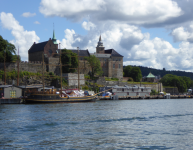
(11, 101)
(144, 97)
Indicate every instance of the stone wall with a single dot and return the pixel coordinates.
(24, 66)
(172, 91)
(53, 65)
(72, 79)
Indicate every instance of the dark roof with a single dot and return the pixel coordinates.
(113, 53)
(81, 52)
(38, 47)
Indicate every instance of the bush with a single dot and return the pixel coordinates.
(114, 79)
(85, 87)
(154, 92)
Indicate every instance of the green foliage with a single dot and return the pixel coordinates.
(154, 92)
(9, 49)
(107, 79)
(95, 65)
(70, 60)
(176, 81)
(85, 87)
(86, 76)
(133, 72)
(162, 72)
(51, 73)
(114, 79)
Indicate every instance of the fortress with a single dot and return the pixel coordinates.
(48, 51)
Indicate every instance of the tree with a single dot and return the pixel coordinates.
(133, 72)
(95, 65)
(70, 60)
(176, 81)
(10, 50)
(127, 71)
(136, 74)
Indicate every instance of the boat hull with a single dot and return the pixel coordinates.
(38, 98)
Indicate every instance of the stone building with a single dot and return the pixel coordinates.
(111, 61)
(48, 51)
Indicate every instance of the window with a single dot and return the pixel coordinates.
(119, 59)
(12, 94)
(119, 65)
(113, 65)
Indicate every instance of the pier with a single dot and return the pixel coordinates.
(11, 101)
(144, 97)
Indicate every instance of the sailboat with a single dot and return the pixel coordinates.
(51, 96)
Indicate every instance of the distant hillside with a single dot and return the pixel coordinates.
(145, 71)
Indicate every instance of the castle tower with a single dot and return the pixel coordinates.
(100, 48)
(54, 38)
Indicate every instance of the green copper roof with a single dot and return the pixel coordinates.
(54, 38)
(150, 75)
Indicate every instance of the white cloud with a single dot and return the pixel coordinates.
(183, 34)
(156, 53)
(28, 14)
(36, 22)
(88, 25)
(129, 11)
(23, 38)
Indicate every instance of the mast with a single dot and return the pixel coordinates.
(4, 67)
(60, 70)
(43, 70)
(78, 70)
(18, 68)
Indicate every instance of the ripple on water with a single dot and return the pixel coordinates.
(163, 124)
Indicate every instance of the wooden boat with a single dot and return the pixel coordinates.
(53, 97)
(56, 98)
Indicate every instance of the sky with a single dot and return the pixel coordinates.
(151, 33)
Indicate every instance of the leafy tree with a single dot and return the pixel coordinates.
(176, 81)
(127, 71)
(189, 82)
(69, 60)
(136, 74)
(95, 65)
(9, 48)
(133, 72)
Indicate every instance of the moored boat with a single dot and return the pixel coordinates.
(53, 97)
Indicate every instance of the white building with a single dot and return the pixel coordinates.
(131, 91)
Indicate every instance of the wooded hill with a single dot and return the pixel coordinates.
(145, 71)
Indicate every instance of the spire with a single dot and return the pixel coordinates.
(54, 38)
(100, 38)
(54, 35)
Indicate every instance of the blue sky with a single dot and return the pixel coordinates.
(150, 33)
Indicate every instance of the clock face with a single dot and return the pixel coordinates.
(50, 52)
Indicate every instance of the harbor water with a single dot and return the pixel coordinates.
(116, 124)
